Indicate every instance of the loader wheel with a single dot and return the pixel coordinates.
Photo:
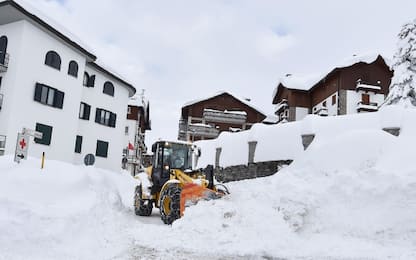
(141, 207)
(170, 204)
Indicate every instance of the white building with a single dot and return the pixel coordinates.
(44, 87)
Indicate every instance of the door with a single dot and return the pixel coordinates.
(365, 99)
(3, 48)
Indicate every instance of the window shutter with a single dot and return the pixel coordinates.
(91, 81)
(97, 115)
(59, 99)
(38, 92)
(113, 118)
(87, 109)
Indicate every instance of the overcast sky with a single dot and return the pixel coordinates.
(181, 50)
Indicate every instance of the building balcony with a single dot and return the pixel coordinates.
(323, 111)
(281, 106)
(367, 106)
(367, 87)
(4, 62)
(228, 117)
(203, 130)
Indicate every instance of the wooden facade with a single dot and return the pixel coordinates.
(333, 87)
(216, 114)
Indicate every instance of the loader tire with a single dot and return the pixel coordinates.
(170, 204)
(141, 206)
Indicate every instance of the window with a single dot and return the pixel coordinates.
(49, 96)
(108, 88)
(88, 80)
(105, 117)
(2, 144)
(53, 60)
(334, 99)
(47, 134)
(126, 130)
(73, 68)
(102, 149)
(128, 108)
(3, 49)
(324, 103)
(84, 111)
(78, 144)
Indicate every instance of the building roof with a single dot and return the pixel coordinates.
(13, 11)
(99, 67)
(307, 82)
(242, 100)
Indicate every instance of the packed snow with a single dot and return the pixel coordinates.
(350, 195)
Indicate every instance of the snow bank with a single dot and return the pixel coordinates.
(350, 195)
(63, 211)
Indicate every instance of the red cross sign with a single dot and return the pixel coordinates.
(22, 143)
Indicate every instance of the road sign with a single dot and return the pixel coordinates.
(22, 145)
(31, 132)
(89, 159)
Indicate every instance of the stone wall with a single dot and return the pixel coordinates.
(250, 171)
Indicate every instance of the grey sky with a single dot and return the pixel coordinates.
(181, 50)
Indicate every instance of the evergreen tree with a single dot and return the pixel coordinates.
(402, 88)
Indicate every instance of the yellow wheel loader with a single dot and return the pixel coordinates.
(173, 182)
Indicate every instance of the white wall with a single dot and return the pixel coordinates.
(354, 97)
(301, 112)
(332, 108)
(91, 131)
(27, 47)
(14, 33)
(31, 69)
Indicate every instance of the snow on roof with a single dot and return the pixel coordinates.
(51, 25)
(306, 82)
(242, 100)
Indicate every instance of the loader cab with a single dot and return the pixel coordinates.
(167, 156)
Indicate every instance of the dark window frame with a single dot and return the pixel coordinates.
(73, 68)
(78, 144)
(49, 96)
(88, 80)
(53, 60)
(105, 117)
(108, 88)
(102, 149)
(47, 135)
(86, 111)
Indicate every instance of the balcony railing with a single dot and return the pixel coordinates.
(282, 105)
(4, 62)
(1, 101)
(367, 106)
(230, 117)
(323, 111)
(203, 130)
(367, 87)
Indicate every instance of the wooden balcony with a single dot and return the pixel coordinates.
(367, 87)
(202, 130)
(228, 117)
(281, 106)
(367, 106)
(323, 111)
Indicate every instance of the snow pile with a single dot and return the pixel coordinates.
(350, 195)
(62, 210)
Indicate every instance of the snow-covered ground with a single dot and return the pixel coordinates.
(350, 195)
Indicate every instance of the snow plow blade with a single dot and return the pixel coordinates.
(192, 193)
